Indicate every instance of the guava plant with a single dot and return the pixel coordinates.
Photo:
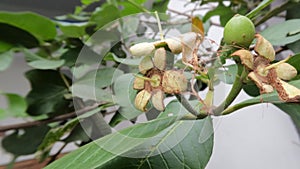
(94, 70)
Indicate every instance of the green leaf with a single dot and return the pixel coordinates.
(160, 143)
(251, 89)
(73, 30)
(55, 134)
(6, 59)
(252, 14)
(88, 2)
(90, 85)
(40, 27)
(160, 6)
(127, 61)
(86, 91)
(25, 142)
(39, 62)
(5, 46)
(283, 33)
(295, 61)
(104, 15)
(224, 12)
(47, 93)
(15, 36)
(17, 105)
(124, 95)
(132, 7)
(46, 64)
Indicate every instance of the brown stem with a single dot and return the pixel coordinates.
(49, 120)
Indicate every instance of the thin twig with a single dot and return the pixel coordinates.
(49, 120)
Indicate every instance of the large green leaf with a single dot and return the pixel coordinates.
(104, 15)
(6, 59)
(14, 36)
(40, 27)
(283, 33)
(48, 93)
(160, 143)
(26, 142)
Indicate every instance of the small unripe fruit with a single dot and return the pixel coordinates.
(160, 58)
(239, 30)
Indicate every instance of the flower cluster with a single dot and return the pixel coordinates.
(267, 76)
(154, 79)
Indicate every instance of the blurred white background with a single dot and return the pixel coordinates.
(256, 137)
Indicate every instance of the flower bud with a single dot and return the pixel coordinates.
(264, 48)
(142, 99)
(160, 58)
(174, 45)
(138, 83)
(146, 64)
(285, 71)
(142, 49)
(174, 82)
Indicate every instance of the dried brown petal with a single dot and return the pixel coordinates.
(287, 92)
(174, 45)
(142, 49)
(174, 82)
(264, 48)
(138, 83)
(189, 43)
(246, 58)
(258, 80)
(145, 64)
(142, 99)
(158, 99)
(160, 58)
(285, 71)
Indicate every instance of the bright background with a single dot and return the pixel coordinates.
(257, 137)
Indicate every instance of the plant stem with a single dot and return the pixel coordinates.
(237, 107)
(275, 12)
(189, 107)
(235, 90)
(46, 121)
